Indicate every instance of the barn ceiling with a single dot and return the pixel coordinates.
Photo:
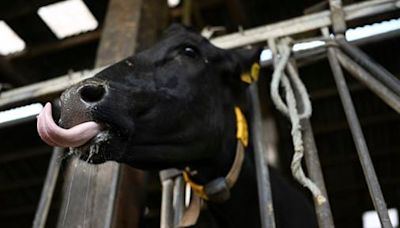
(46, 56)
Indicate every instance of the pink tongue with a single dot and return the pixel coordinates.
(54, 135)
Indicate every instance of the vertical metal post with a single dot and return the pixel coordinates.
(359, 140)
(172, 202)
(339, 27)
(179, 200)
(263, 183)
(48, 188)
(337, 16)
(167, 218)
(323, 210)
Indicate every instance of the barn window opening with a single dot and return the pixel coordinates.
(353, 34)
(173, 3)
(10, 42)
(68, 18)
(375, 29)
(370, 218)
(23, 113)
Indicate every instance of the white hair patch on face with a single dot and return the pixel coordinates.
(94, 145)
(129, 63)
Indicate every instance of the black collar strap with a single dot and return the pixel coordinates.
(218, 190)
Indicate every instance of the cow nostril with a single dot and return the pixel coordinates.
(92, 93)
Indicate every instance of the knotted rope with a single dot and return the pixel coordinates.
(290, 110)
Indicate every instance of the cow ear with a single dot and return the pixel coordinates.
(241, 68)
(246, 64)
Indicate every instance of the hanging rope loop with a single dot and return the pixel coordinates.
(279, 76)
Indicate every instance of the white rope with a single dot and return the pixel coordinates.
(289, 109)
(276, 80)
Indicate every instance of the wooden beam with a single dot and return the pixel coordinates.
(43, 89)
(144, 23)
(46, 48)
(109, 195)
(10, 73)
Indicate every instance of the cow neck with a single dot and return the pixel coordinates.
(220, 182)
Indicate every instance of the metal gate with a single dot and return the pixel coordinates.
(341, 54)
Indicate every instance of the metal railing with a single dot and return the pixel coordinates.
(340, 54)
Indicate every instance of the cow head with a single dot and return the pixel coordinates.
(171, 105)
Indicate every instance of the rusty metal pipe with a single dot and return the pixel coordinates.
(323, 211)
(359, 140)
(378, 72)
(390, 98)
(262, 172)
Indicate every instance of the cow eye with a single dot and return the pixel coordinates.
(190, 52)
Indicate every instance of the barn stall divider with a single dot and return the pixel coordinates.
(340, 53)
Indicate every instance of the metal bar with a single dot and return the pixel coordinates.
(263, 183)
(337, 16)
(172, 182)
(359, 140)
(167, 218)
(48, 188)
(179, 200)
(323, 211)
(15, 122)
(368, 80)
(379, 72)
(303, 24)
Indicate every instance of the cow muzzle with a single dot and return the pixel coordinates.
(76, 126)
(78, 102)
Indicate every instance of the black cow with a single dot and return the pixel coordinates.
(173, 106)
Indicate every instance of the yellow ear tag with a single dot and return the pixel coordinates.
(253, 75)
(245, 77)
(255, 71)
